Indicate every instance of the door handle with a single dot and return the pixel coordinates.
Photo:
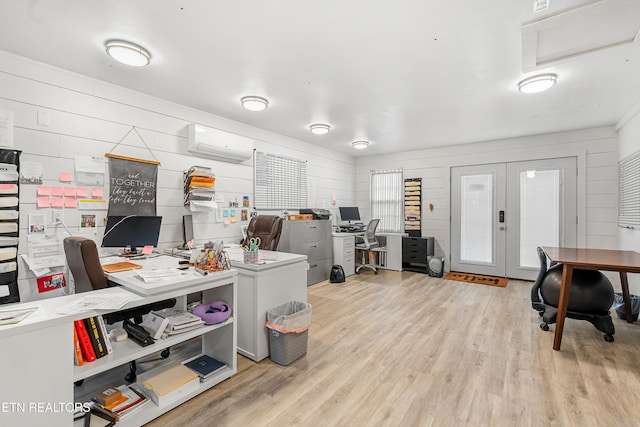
(502, 228)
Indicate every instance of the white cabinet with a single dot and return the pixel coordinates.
(344, 252)
(261, 287)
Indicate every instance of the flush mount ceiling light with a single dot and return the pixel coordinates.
(360, 144)
(319, 128)
(254, 103)
(538, 83)
(128, 53)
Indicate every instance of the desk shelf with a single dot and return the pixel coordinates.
(218, 341)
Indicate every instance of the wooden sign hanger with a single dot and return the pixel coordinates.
(117, 156)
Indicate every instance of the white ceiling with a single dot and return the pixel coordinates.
(405, 74)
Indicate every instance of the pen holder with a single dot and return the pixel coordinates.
(251, 257)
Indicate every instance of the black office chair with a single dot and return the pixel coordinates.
(84, 263)
(366, 244)
(590, 296)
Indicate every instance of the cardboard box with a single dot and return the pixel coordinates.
(300, 217)
(169, 382)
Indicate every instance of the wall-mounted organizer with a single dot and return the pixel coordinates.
(412, 206)
(198, 187)
(9, 225)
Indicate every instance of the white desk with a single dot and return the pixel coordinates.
(37, 366)
(281, 279)
(389, 256)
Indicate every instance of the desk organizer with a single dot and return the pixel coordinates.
(251, 257)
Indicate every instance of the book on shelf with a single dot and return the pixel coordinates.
(88, 353)
(97, 340)
(77, 354)
(131, 400)
(204, 365)
(103, 329)
(168, 332)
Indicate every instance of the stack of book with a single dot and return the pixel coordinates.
(198, 185)
(170, 321)
(124, 400)
(91, 340)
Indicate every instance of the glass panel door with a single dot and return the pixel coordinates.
(477, 197)
(542, 203)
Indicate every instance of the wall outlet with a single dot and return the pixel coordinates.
(57, 216)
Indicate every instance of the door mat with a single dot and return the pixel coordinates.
(477, 278)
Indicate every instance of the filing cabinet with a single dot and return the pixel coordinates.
(415, 253)
(313, 239)
(344, 252)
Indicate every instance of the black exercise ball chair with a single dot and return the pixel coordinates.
(590, 297)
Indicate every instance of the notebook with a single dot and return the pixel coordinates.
(205, 365)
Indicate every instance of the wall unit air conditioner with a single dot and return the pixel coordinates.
(220, 145)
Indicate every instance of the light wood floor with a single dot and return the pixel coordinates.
(405, 349)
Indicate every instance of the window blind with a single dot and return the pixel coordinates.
(387, 189)
(280, 182)
(629, 191)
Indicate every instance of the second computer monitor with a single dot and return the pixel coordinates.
(350, 214)
(131, 232)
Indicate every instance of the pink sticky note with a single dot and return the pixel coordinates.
(82, 192)
(97, 193)
(8, 187)
(66, 176)
(225, 220)
(43, 202)
(70, 202)
(147, 250)
(57, 202)
(69, 192)
(44, 190)
(57, 191)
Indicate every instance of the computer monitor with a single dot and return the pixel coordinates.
(187, 230)
(349, 213)
(130, 232)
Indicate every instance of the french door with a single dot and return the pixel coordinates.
(501, 212)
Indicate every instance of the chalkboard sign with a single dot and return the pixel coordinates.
(132, 186)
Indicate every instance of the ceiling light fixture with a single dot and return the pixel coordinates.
(254, 103)
(362, 144)
(538, 83)
(128, 53)
(319, 128)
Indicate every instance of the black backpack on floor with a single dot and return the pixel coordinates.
(337, 274)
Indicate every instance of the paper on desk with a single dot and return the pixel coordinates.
(152, 276)
(96, 302)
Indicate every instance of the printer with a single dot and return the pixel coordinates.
(317, 213)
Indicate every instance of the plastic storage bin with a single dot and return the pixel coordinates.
(288, 331)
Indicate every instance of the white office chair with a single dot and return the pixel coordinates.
(367, 243)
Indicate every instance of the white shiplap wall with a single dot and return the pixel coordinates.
(595, 149)
(89, 117)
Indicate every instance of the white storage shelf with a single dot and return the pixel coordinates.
(218, 341)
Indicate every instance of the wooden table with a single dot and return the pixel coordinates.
(590, 259)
